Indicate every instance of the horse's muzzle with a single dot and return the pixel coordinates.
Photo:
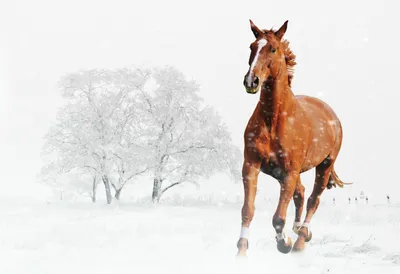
(252, 90)
(251, 84)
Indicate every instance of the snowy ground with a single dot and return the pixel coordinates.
(131, 237)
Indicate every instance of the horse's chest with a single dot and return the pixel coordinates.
(274, 154)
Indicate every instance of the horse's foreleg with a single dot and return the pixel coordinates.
(321, 181)
(288, 186)
(250, 173)
(298, 199)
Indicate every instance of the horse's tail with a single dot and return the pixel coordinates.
(335, 181)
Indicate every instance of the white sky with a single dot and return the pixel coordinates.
(346, 53)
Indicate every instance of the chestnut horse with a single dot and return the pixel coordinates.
(285, 136)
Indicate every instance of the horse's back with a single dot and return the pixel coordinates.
(316, 108)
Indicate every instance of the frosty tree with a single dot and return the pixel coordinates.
(118, 124)
(189, 142)
(98, 132)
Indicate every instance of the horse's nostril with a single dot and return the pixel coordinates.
(255, 82)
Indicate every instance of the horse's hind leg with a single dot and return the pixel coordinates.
(298, 198)
(323, 172)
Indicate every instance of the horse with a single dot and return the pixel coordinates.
(285, 136)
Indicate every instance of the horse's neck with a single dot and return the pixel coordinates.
(276, 101)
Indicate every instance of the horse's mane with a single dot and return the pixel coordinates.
(290, 57)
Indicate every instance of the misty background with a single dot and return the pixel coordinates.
(346, 54)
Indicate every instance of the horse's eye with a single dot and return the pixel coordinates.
(273, 50)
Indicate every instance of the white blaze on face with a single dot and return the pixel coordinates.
(261, 44)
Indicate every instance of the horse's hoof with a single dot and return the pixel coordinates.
(296, 229)
(242, 245)
(305, 232)
(309, 236)
(284, 247)
(299, 245)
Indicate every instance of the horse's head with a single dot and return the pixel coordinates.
(266, 56)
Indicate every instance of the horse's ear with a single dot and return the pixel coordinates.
(256, 31)
(279, 34)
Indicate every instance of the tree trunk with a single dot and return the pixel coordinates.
(117, 193)
(156, 190)
(107, 188)
(94, 188)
